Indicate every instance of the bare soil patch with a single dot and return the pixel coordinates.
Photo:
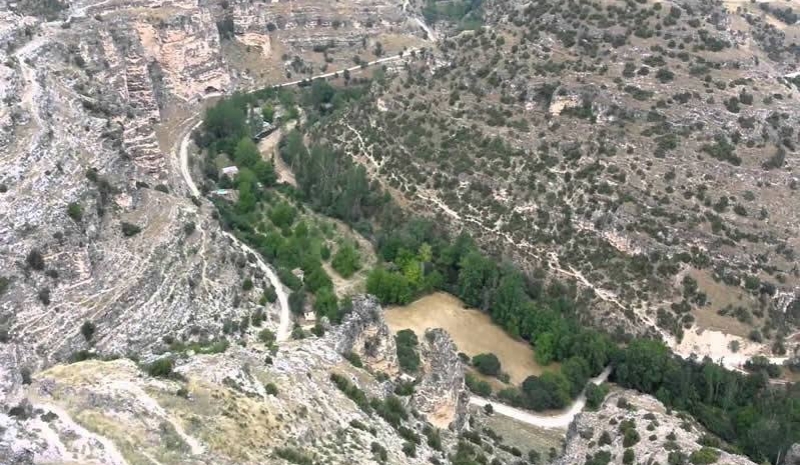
(719, 297)
(521, 435)
(471, 330)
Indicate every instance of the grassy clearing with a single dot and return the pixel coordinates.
(523, 436)
(720, 296)
(471, 330)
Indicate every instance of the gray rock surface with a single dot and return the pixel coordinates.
(658, 433)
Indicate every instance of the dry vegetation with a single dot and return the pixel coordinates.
(471, 330)
(615, 144)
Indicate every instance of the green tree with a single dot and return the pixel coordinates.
(246, 154)
(476, 280)
(268, 113)
(644, 364)
(388, 287)
(246, 185)
(265, 173)
(509, 300)
(487, 364)
(545, 348)
(224, 125)
(316, 279)
(576, 370)
(548, 391)
(346, 261)
(75, 211)
(282, 215)
(326, 304)
(407, 356)
(297, 302)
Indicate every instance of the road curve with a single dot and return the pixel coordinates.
(559, 420)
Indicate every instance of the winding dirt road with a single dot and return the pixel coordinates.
(181, 152)
(559, 420)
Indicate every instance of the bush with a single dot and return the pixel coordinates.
(628, 457)
(379, 451)
(602, 457)
(129, 229)
(87, 329)
(354, 359)
(35, 260)
(479, 387)
(487, 364)
(4, 284)
(271, 389)
(189, 228)
(391, 410)
(75, 211)
(289, 279)
(269, 295)
(630, 435)
(161, 368)
(346, 261)
(704, 456)
(664, 75)
(407, 356)
(434, 438)
(351, 391)
(294, 456)
(404, 388)
(25, 373)
(410, 449)
(266, 336)
(595, 395)
(44, 296)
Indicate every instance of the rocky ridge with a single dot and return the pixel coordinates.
(96, 227)
(231, 407)
(629, 421)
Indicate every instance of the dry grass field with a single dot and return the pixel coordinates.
(472, 331)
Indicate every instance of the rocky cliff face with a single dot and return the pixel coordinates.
(632, 423)
(365, 333)
(232, 407)
(95, 225)
(440, 394)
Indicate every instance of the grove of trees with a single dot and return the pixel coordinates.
(419, 256)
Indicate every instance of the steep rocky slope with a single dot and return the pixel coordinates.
(97, 230)
(639, 427)
(234, 407)
(643, 151)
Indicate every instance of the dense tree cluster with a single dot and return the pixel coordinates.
(331, 183)
(744, 410)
